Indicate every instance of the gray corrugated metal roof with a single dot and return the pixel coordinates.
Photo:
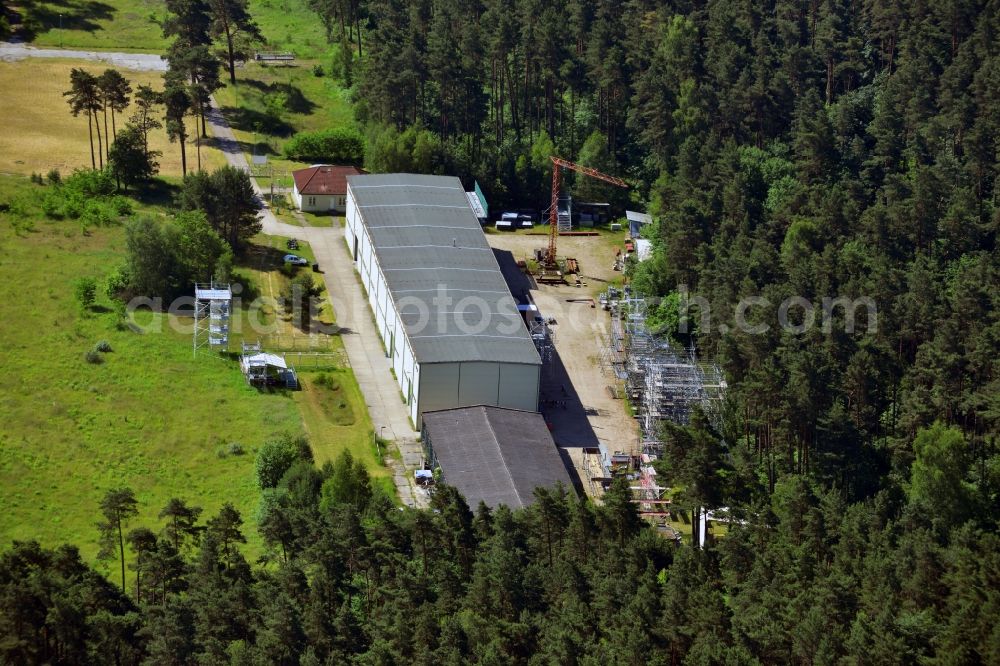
(440, 271)
(643, 218)
(494, 454)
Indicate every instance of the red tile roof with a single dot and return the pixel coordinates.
(324, 179)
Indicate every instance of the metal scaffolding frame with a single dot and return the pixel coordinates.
(661, 382)
(212, 304)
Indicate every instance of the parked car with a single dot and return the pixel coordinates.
(296, 260)
(514, 221)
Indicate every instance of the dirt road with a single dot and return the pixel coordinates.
(575, 397)
(142, 62)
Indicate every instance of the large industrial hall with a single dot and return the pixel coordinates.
(442, 307)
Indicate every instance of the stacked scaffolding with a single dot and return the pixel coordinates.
(662, 382)
(649, 494)
(212, 304)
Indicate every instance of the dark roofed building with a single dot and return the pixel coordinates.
(322, 187)
(493, 454)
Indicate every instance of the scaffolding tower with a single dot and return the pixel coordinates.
(565, 213)
(212, 306)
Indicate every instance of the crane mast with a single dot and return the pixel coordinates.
(558, 164)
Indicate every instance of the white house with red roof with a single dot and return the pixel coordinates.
(322, 188)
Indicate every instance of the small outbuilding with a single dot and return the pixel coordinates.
(493, 454)
(636, 221)
(322, 188)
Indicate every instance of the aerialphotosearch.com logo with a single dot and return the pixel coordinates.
(473, 314)
(795, 314)
(263, 313)
(442, 314)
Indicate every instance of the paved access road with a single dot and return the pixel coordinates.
(143, 62)
(361, 341)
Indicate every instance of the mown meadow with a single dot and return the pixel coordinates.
(150, 414)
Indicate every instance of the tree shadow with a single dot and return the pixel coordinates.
(251, 120)
(259, 148)
(66, 14)
(295, 100)
(261, 258)
(248, 290)
(157, 192)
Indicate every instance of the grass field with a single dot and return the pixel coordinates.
(269, 103)
(151, 416)
(290, 215)
(134, 25)
(336, 419)
(36, 141)
(115, 25)
(276, 329)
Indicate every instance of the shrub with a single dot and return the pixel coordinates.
(96, 213)
(54, 177)
(327, 381)
(121, 314)
(318, 70)
(37, 178)
(277, 455)
(236, 449)
(52, 205)
(73, 205)
(85, 290)
(93, 357)
(297, 297)
(122, 206)
(103, 346)
(118, 283)
(339, 144)
(91, 183)
(276, 103)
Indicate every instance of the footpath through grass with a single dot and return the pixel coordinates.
(269, 103)
(151, 416)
